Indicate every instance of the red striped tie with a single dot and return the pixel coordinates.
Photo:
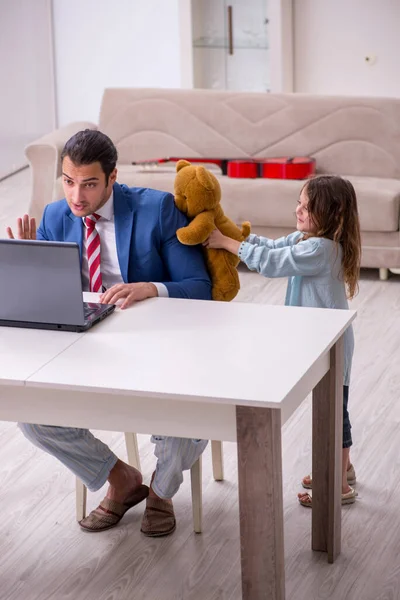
(93, 253)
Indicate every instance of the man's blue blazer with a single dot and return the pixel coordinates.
(146, 221)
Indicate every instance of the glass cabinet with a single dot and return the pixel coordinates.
(230, 44)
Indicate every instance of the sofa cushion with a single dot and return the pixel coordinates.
(378, 249)
(369, 239)
(378, 202)
(272, 202)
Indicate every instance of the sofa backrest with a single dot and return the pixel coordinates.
(346, 135)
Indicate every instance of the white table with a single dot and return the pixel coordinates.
(220, 371)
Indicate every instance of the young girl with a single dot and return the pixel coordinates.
(322, 261)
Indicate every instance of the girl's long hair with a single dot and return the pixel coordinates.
(332, 208)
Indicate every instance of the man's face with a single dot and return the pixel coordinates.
(85, 187)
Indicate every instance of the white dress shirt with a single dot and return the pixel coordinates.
(109, 264)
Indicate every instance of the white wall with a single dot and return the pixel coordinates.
(125, 43)
(280, 14)
(332, 39)
(26, 75)
(139, 43)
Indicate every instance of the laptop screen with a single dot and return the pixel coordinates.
(40, 282)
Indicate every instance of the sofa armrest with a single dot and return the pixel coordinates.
(44, 159)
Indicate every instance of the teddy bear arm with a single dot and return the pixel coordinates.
(198, 229)
(228, 228)
(246, 229)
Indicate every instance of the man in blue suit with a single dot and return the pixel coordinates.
(129, 252)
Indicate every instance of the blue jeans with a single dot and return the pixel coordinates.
(347, 440)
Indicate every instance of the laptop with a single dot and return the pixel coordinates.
(41, 287)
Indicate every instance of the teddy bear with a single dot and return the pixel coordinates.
(198, 194)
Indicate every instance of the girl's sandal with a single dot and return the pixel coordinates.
(349, 497)
(351, 479)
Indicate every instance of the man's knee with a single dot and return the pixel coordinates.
(28, 431)
(37, 434)
(194, 450)
(175, 455)
(178, 454)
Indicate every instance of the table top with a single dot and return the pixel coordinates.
(24, 351)
(235, 353)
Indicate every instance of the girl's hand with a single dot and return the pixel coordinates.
(218, 240)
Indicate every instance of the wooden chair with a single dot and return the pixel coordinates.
(195, 479)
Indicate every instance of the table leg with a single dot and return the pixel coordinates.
(260, 503)
(327, 425)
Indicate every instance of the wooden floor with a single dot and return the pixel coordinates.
(44, 555)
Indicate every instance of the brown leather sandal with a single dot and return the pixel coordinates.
(306, 482)
(109, 513)
(349, 497)
(159, 518)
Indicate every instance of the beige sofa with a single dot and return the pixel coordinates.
(355, 137)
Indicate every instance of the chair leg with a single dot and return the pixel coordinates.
(81, 493)
(197, 504)
(217, 460)
(132, 450)
(383, 274)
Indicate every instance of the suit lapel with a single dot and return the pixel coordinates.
(73, 227)
(123, 217)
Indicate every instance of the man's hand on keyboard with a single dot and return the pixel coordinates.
(125, 294)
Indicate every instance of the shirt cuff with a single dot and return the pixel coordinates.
(242, 250)
(161, 289)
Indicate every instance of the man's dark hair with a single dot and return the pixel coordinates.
(89, 146)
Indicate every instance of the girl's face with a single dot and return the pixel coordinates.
(304, 222)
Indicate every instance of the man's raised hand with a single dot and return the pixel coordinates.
(26, 229)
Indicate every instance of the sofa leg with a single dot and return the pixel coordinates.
(383, 274)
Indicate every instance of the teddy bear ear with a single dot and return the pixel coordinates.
(206, 178)
(181, 164)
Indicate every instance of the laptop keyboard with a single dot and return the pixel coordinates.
(89, 309)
